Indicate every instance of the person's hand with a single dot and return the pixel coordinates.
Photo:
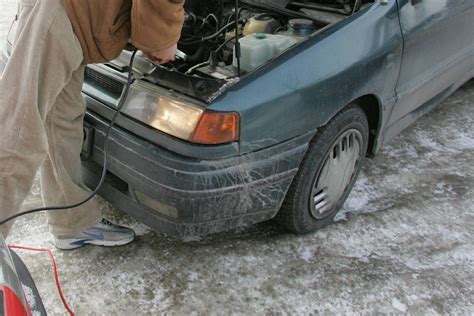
(164, 56)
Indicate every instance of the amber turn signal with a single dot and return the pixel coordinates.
(217, 128)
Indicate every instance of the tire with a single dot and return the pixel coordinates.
(320, 174)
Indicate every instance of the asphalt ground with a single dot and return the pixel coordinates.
(402, 245)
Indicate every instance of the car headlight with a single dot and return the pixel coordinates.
(183, 119)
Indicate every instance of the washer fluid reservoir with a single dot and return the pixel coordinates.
(259, 48)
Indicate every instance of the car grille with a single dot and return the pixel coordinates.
(112, 86)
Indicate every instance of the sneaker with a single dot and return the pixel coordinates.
(103, 234)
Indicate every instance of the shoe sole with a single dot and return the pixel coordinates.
(68, 244)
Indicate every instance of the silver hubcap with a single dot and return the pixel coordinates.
(336, 174)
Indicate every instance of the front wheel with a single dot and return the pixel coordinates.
(327, 173)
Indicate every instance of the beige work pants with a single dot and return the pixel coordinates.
(41, 117)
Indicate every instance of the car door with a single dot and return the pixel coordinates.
(438, 50)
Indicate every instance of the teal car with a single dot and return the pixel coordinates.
(270, 108)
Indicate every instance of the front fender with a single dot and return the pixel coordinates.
(304, 88)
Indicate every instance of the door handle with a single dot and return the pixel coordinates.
(415, 2)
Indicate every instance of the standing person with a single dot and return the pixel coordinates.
(42, 110)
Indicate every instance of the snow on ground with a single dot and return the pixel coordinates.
(403, 244)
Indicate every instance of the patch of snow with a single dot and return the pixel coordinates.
(160, 300)
(430, 140)
(464, 254)
(406, 151)
(464, 141)
(443, 188)
(306, 254)
(361, 198)
(193, 276)
(399, 305)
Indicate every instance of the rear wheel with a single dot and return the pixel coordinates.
(327, 173)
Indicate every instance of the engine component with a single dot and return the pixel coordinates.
(259, 48)
(212, 30)
(218, 72)
(300, 27)
(262, 23)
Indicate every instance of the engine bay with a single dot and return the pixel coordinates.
(223, 40)
(264, 29)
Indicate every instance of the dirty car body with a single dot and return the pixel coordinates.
(395, 60)
(18, 292)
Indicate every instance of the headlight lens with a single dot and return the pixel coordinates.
(166, 114)
(182, 119)
(175, 117)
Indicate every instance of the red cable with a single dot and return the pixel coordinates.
(58, 285)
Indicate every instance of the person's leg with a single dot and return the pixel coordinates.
(45, 55)
(61, 182)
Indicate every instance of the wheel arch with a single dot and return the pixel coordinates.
(372, 108)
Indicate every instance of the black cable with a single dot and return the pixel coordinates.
(238, 53)
(120, 105)
(224, 44)
(206, 38)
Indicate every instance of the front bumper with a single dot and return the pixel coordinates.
(187, 197)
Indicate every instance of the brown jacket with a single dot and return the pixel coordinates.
(104, 27)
